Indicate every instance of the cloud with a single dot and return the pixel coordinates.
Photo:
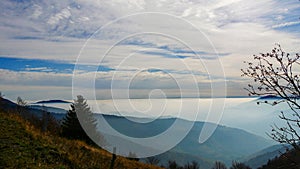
(286, 24)
(35, 93)
(41, 41)
(42, 69)
(63, 14)
(35, 78)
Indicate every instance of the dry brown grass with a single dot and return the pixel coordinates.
(52, 151)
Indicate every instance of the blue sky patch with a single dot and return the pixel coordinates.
(164, 54)
(171, 52)
(39, 65)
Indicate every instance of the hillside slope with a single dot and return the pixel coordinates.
(22, 146)
(226, 144)
(262, 157)
(288, 160)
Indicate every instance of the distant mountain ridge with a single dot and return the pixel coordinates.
(226, 144)
(272, 97)
(262, 157)
(36, 110)
(268, 97)
(51, 101)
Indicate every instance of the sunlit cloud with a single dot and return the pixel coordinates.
(41, 41)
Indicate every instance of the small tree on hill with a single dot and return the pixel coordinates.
(152, 160)
(219, 165)
(1, 95)
(277, 74)
(173, 165)
(21, 104)
(49, 122)
(1, 99)
(193, 165)
(132, 156)
(71, 126)
(237, 165)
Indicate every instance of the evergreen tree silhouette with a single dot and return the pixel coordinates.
(72, 126)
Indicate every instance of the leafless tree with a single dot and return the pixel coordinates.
(193, 165)
(277, 74)
(219, 165)
(21, 102)
(237, 165)
(21, 106)
(152, 160)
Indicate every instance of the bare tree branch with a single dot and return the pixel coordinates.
(274, 74)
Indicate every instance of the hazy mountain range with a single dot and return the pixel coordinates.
(226, 144)
(262, 157)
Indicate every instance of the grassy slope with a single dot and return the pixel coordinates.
(22, 146)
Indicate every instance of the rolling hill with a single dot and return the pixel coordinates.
(262, 157)
(23, 146)
(51, 101)
(288, 160)
(226, 144)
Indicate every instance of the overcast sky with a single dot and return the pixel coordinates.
(184, 48)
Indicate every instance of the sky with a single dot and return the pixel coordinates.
(137, 48)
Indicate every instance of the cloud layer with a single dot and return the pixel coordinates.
(192, 41)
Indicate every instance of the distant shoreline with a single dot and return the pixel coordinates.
(51, 101)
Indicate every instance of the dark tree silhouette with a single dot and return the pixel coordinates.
(193, 165)
(237, 165)
(290, 160)
(21, 108)
(45, 119)
(49, 122)
(219, 165)
(72, 127)
(132, 156)
(277, 74)
(1, 99)
(21, 102)
(152, 160)
(173, 165)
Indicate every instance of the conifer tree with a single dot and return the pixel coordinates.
(48, 123)
(72, 126)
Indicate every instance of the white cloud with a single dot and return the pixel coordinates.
(286, 24)
(43, 69)
(58, 30)
(34, 78)
(36, 92)
(63, 14)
